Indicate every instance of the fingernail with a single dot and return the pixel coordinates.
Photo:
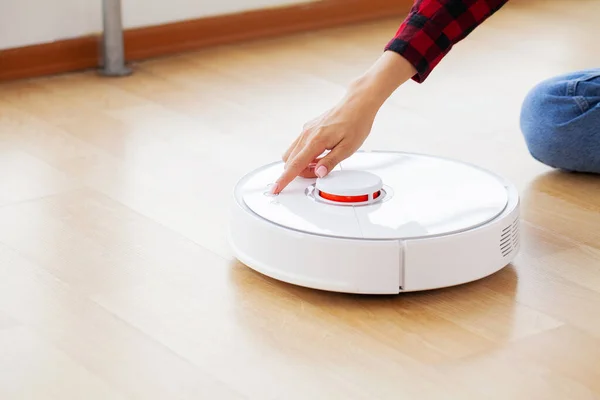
(321, 171)
(274, 188)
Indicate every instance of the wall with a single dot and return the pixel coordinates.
(26, 22)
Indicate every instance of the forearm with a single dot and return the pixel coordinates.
(424, 38)
(370, 90)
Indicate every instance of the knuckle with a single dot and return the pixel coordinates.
(335, 157)
(308, 125)
(319, 139)
(320, 131)
(294, 165)
(330, 163)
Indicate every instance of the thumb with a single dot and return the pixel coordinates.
(331, 160)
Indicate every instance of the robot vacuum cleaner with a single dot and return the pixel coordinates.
(379, 223)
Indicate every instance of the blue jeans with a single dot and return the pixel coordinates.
(560, 121)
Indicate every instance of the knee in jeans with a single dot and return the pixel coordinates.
(539, 125)
(560, 120)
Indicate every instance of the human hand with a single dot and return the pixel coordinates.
(343, 129)
(340, 132)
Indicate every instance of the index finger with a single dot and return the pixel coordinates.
(298, 164)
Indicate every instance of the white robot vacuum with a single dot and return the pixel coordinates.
(380, 223)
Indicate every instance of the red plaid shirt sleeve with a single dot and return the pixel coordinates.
(432, 27)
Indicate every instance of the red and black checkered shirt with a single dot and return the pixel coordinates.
(432, 27)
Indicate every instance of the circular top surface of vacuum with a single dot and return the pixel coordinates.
(349, 183)
(379, 195)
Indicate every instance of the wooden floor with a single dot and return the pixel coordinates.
(116, 281)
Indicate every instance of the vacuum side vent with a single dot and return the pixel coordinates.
(509, 238)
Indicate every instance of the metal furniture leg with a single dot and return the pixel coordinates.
(113, 48)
